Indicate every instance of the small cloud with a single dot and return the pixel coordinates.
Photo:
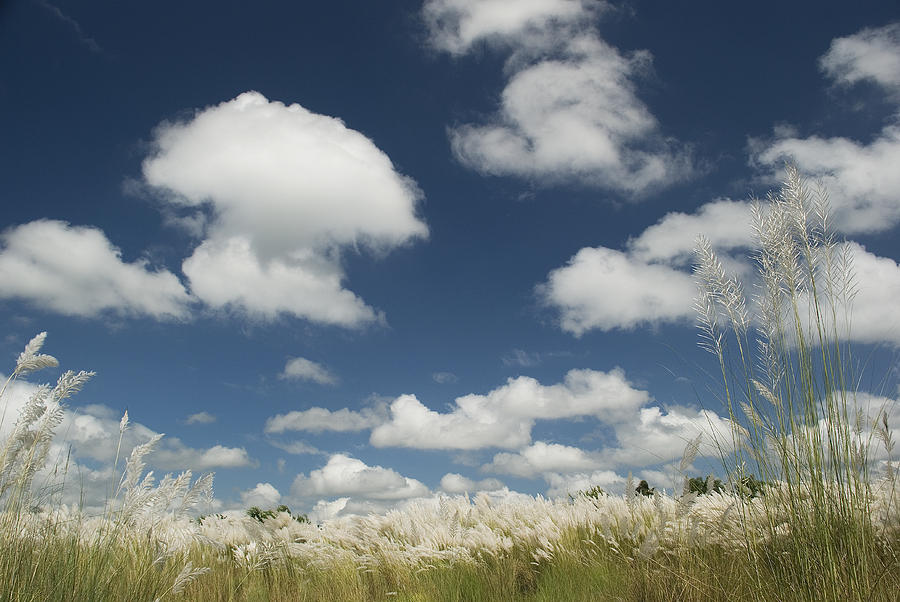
(264, 495)
(200, 418)
(300, 368)
(455, 483)
(298, 448)
(518, 357)
(444, 378)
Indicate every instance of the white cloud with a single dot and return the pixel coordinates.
(569, 110)
(871, 54)
(346, 476)
(874, 315)
(316, 420)
(200, 418)
(172, 454)
(455, 25)
(229, 274)
(300, 368)
(456, 483)
(540, 458)
(504, 417)
(561, 485)
(76, 271)
(605, 289)
(264, 496)
(286, 191)
(862, 180)
(88, 439)
(725, 223)
(575, 118)
(653, 436)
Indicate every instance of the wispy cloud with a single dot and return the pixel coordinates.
(85, 39)
(200, 418)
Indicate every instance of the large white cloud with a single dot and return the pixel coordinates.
(569, 110)
(605, 289)
(286, 190)
(871, 54)
(343, 475)
(648, 282)
(542, 457)
(77, 271)
(504, 417)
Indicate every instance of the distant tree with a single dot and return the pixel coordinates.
(702, 486)
(751, 487)
(261, 515)
(644, 489)
(593, 493)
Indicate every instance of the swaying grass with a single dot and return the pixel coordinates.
(826, 528)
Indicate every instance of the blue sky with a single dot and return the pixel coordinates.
(350, 254)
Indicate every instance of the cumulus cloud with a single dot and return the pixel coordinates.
(87, 441)
(724, 222)
(505, 416)
(343, 475)
(861, 178)
(455, 25)
(77, 271)
(873, 317)
(871, 54)
(540, 458)
(264, 495)
(655, 436)
(455, 483)
(316, 420)
(649, 282)
(569, 110)
(606, 289)
(562, 485)
(284, 192)
(300, 368)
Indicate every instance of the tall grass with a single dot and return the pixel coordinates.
(826, 528)
(788, 375)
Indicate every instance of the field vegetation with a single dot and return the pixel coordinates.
(804, 507)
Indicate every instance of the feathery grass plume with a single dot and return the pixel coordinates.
(797, 406)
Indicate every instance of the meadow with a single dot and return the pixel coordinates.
(806, 508)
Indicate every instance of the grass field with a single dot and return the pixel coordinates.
(825, 526)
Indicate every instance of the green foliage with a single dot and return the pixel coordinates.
(702, 486)
(593, 493)
(261, 515)
(644, 488)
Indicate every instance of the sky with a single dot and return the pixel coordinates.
(351, 254)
